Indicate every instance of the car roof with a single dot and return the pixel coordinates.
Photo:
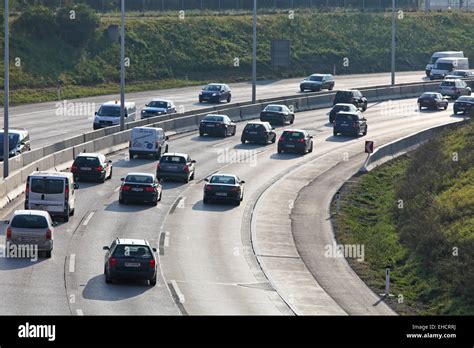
(281, 105)
(345, 104)
(295, 130)
(51, 173)
(117, 103)
(223, 174)
(15, 131)
(89, 154)
(161, 99)
(219, 115)
(451, 80)
(259, 122)
(132, 241)
(175, 154)
(31, 212)
(140, 174)
(347, 113)
(144, 127)
(319, 74)
(216, 84)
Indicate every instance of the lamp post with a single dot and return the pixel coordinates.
(122, 68)
(393, 42)
(6, 97)
(254, 53)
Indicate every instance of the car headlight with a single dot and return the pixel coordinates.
(200, 93)
(214, 94)
(143, 111)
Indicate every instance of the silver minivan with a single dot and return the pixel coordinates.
(454, 88)
(30, 228)
(53, 192)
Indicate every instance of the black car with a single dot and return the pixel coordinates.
(223, 187)
(91, 166)
(432, 100)
(277, 114)
(219, 125)
(296, 140)
(175, 166)
(131, 259)
(158, 107)
(464, 104)
(258, 132)
(18, 142)
(317, 82)
(341, 107)
(351, 96)
(215, 92)
(349, 123)
(140, 187)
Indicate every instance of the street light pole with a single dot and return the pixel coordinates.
(6, 96)
(393, 42)
(122, 68)
(254, 53)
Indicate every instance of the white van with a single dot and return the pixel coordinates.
(53, 192)
(148, 141)
(444, 66)
(442, 54)
(109, 114)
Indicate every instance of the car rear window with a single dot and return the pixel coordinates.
(172, 159)
(255, 127)
(273, 108)
(429, 95)
(48, 186)
(29, 221)
(344, 94)
(84, 161)
(220, 179)
(213, 119)
(294, 135)
(139, 179)
(448, 83)
(350, 118)
(213, 88)
(466, 99)
(135, 251)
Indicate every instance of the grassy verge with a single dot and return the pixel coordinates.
(415, 214)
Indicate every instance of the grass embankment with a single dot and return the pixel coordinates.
(416, 214)
(167, 51)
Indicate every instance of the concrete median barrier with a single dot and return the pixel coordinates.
(14, 186)
(251, 112)
(234, 114)
(185, 124)
(122, 137)
(94, 135)
(3, 194)
(319, 101)
(32, 156)
(63, 159)
(104, 143)
(86, 147)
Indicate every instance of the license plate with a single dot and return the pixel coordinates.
(136, 189)
(210, 125)
(253, 132)
(173, 167)
(344, 125)
(86, 168)
(132, 264)
(290, 145)
(222, 194)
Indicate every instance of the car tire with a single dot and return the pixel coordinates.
(102, 179)
(311, 148)
(229, 98)
(66, 215)
(330, 88)
(192, 176)
(242, 141)
(205, 200)
(274, 140)
(419, 107)
(110, 175)
(47, 254)
(200, 100)
(445, 107)
(155, 202)
(72, 212)
(237, 202)
(161, 195)
(334, 133)
(122, 201)
(364, 107)
(292, 120)
(279, 150)
(365, 131)
(201, 134)
(186, 179)
(153, 281)
(130, 155)
(225, 133)
(108, 280)
(301, 89)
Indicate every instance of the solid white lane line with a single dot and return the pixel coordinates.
(222, 143)
(178, 292)
(72, 261)
(89, 217)
(79, 312)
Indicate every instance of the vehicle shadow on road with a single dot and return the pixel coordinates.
(97, 289)
(169, 184)
(340, 138)
(13, 263)
(128, 208)
(285, 156)
(207, 138)
(251, 146)
(87, 184)
(137, 162)
(214, 206)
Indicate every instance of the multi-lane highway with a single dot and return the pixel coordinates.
(52, 122)
(207, 254)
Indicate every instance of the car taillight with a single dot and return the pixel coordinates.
(281, 139)
(66, 192)
(125, 188)
(234, 189)
(158, 165)
(9, 232)
(73, 168)
(152, 263)
(209, 187)
(301, 140)
(27, 190)
(113, 262)
(149, 189)
(49, 234)
(353, 125)
(99, 168)
(186, 168)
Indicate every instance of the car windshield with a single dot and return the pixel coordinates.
(444, 66)
(173, 159)
(29, 221)
(458, 73)
(213, 119)
(111, 111)
(84, 161)
(12, 140)
(273, 108)
(48, 186)
(433, 60)
(315, 78)
(213, 88)
(135, 251)
(158, 104)
(139, 179)
(222, 179)
(292, 135)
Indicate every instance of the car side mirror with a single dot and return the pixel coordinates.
(95, 113)
(76, 185)
(55, 223)
(154, 249)
(122, 179)
(110, 161)
(167, 137)
(242, 182)
(147, 104)
(6, 222)
(105, 248)
(311, 137)
(206, 180)
(193, 161)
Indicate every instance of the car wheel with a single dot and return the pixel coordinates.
(279, 150)
(274, 139)
(130, 155)
(72, 212)
(47, 254)
(155, 202)
(330, 88)
(419, 107)
(365, 131)
(110, 175)
(469, 92)
(301, 89)
(292, 120)
(205, 200)
(153, 281)
(311, 148)
(186, 179)
(200, 100)
(242, 141)
(66, 215)
(364, 107)
(229, 98)
(192, 176)
(445, 107)
(201, 134)
(108, 280)
(161, 195)
(166, 149)
(225, 133)
(103, 178)
(334, 133)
